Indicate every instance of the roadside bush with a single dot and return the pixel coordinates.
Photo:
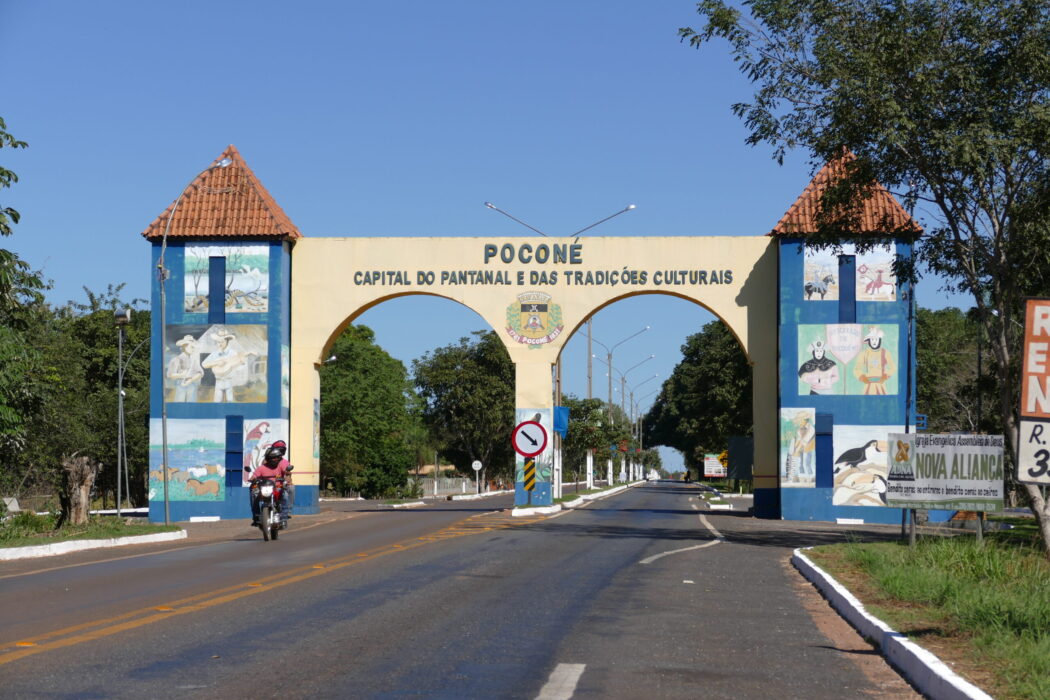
(26, 524)
(997, 594)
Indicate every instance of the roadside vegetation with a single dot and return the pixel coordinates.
(982, 608)
(27, 529)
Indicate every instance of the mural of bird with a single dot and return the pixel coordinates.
(857, 455)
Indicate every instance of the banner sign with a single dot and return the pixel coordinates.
(1033, 453)
(945, 472)
(713, 466)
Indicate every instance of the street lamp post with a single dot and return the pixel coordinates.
(609, 356)
(632, 419)
(162, 273)
(623, 382)
(121, 317)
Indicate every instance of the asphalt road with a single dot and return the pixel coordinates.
(640, 595)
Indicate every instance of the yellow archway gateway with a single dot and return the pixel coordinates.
(250, 308)
(535, 293)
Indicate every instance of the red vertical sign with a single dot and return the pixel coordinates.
(1033, 453)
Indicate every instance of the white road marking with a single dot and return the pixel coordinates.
(562, 682)
(712, 528)
(686, 580)
(719, 537)
(650, 560)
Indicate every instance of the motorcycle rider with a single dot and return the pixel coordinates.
(289, 486)
(274, 466)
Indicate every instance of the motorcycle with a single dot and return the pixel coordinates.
(267, 493)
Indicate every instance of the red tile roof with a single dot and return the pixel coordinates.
(880, 212)
(225, 202)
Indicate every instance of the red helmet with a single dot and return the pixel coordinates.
(280, 445)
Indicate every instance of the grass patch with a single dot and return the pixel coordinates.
(27, 529)
(983, 609)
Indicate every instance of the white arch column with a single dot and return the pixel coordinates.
(534, 400)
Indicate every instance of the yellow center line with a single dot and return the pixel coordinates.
(97, 629)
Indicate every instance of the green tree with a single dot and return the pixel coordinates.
(944, 101)
(468, 395)
(706, 399)
(367, 418)
(946, 371)
(22, 383)
(79, 362)
(591, 428)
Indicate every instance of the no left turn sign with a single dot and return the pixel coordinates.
(529, 438)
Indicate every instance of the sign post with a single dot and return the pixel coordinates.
(529, 439)
(1033, 434)
(476, 466)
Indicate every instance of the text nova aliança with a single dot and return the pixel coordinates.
(566, 278)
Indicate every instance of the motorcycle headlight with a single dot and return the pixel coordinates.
(266, 490)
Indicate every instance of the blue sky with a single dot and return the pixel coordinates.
(378, 118)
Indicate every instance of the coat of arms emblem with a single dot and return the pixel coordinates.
(533, 320)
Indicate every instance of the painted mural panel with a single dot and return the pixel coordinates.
(848, 359)
(196, 459)
(259, 434)
(861, 464)
(247, 277)
(215, 364)
(875, 278)
(798, 443)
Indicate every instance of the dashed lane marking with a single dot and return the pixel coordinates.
(562, 682)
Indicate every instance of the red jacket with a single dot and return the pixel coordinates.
(264, 471)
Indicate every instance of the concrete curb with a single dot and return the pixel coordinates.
(574, 503)
(539, 510)
(602, 494)
(931, 676)
(50, 550)
(413, 504)
(476, 496)
(579, 502)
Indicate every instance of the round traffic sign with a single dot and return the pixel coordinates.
(529, 438)
(476, 465)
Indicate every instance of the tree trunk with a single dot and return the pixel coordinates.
(80, 474)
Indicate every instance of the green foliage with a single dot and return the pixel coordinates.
(21, 390)
(78, 368)
(58, 376)
(468, 395)
(368, 418)
(8, 215)
(998, 594)
(27, 529)
(946, 373)
(707, 398)
(593, 426)
(25, 524)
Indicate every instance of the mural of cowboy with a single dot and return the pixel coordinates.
(184, 371)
